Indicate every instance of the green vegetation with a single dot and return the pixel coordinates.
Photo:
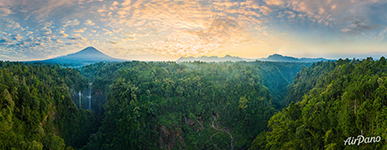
(185, 105)
(36, 111)
(196, 105)
(334, 101)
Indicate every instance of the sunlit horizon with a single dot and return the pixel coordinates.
(161, 30)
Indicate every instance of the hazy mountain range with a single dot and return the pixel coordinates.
(274, 58)
(210, 59)
(91, 55)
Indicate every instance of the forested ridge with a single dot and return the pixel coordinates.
(186, 105)
(144, 105)
(333, 101)
(194, 105)
(36, 109)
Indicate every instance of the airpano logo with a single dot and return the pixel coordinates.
(361, 139)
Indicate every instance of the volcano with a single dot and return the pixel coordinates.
(86, 56)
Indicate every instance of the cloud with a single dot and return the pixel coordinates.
(5, 11)
(291, 14)
(63, 34)
(102, 10)
(46, 32)
(42, 10)
(358, 26)
(75, 38)
(382, 34)
(118, 30)
(143, 34)
(4, 40)
(12, 24)
(73, 22)
(274, 2)
(314, 11)
(130, 39)
(17, 37)
(79, 45)
(80, 30)
(89, 23)
(131, 34)
(178, 28)
(113, 42)
(225, 23)
(58, 41)
(106, 31)
(126, 3)
(30, 39)
(29, 32)
(47, 39)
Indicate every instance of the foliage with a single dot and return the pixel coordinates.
(36, 111)
(345, 100)
(184, 105)
(141, 105)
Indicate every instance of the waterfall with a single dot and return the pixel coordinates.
(225, 130)
(80, 95)
(90, 95)
(200, 124)
(186, 122)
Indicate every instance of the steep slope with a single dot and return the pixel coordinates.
(348, 101)
(36, 110)
(307, 79)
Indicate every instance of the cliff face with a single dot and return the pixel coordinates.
(81, 101)
(87, 98)
(172, 136)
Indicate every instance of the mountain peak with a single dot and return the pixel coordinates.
(88, 51)
(87, 55)
(90, 48)
(276, 55)
(281, 58)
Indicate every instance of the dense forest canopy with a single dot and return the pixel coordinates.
(334, 101)
(194, 105)
(187, 105)
(36, 109)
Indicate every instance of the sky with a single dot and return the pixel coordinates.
(162, 30)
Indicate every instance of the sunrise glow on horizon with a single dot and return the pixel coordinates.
(168, 29)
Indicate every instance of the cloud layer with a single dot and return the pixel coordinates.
(39, 29)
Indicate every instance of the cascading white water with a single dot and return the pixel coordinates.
(225, 130)
(90, 95)
(80, 95)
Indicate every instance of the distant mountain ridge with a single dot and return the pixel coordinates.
(210, 59)
(86, 56)
(280, 58)
(274, 58)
